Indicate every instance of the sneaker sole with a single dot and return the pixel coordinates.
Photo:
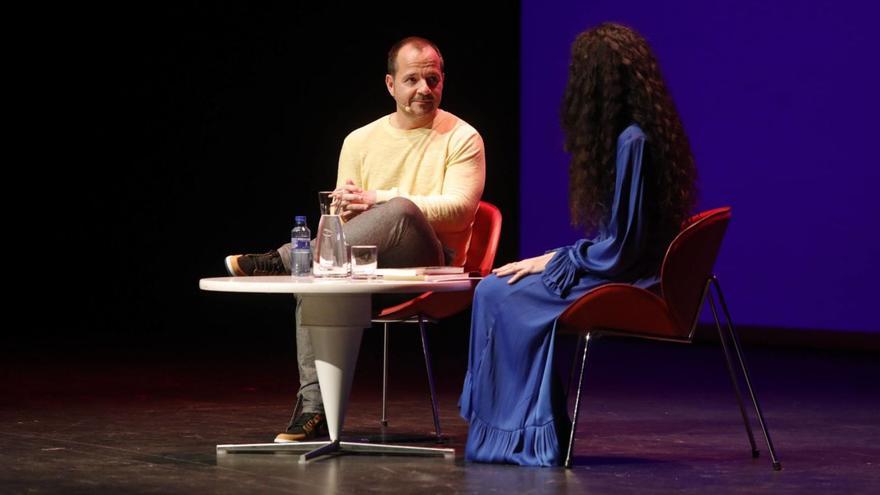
(280, 439)
(232, 266)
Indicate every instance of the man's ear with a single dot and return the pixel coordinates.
(389, 83)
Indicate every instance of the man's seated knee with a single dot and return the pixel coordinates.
(401, 208)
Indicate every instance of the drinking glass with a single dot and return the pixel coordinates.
(364, 260)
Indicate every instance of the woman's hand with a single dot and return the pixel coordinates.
(522, 268)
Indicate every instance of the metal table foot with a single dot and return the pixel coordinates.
(318, 449)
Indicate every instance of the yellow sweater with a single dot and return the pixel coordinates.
(441, 169)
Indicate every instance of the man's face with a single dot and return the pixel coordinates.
(418, 84)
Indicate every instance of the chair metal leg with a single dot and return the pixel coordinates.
(384, 419)
(577, 403)
(739, 354)
(430, 370)
(733, 380)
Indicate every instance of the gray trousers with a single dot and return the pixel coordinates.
(403, 237)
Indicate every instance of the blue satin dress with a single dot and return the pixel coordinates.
(511, 399)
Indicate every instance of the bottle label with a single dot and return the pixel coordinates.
(301, 244)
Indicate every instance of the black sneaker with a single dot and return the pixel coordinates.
(245, 265)
(306, 426)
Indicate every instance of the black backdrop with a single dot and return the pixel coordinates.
(187, 133)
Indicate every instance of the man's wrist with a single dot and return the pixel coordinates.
(385, 195)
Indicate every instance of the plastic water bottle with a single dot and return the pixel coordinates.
(300, 249)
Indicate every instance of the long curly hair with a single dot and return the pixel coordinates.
(613, 82)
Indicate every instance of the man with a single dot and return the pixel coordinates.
(409, 183)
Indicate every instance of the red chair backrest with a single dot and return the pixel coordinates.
(688, 263)
(484, 239)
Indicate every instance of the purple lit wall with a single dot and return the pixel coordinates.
(780, 100)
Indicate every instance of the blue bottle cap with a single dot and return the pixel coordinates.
(300, 218)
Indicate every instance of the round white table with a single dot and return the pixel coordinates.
(336, 311)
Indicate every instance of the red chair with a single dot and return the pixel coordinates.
(685, 277)
(432, 306)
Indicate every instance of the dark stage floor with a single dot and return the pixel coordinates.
(657, 418)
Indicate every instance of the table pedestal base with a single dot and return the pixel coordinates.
(335, 312)
(317, 449)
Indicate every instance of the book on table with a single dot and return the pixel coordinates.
(426, 273)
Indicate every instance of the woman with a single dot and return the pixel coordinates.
(631, 181)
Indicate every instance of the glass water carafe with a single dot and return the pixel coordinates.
(331, 250)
